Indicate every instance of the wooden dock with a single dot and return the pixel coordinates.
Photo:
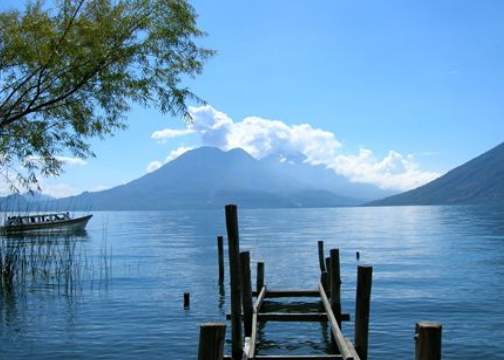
(247, 309)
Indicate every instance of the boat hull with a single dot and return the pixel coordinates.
(65, 226)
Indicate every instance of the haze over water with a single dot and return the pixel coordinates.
(443, 264)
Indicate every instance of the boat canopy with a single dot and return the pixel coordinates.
(37, 219)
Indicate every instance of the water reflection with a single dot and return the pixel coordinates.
(303, 338)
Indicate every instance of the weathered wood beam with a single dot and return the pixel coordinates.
(246, 292)
(299, 357)
(253, 336)
(290, 293)
(294, 357)
(338, 335)
(234, 272)
(428, 341)
(220, 251)
(211, 341)
(362, 306)
(321, 256)
(260, 299)
(260, 276)
(335, 285)
(301, 317)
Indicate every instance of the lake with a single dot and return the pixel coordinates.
(125, 299)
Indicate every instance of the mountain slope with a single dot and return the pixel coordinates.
(209, 178)
(24, 201)
(323, 178)
(479, 181)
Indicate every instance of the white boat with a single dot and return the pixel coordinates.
(44, 223)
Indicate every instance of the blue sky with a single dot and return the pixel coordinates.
(421, 78)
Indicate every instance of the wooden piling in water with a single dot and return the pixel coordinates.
(428, 341)
(328, 270)
(321, 257)
(220, 248)
(362, 305)
(260, 277)
(246, 291)
(324, 280)
(211, 341)
(335, 280)
(234, 272)
(187, 300)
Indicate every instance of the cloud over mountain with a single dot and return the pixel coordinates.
(262, 137)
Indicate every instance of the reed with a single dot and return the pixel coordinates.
(54, 262)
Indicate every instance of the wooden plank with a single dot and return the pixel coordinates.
(260, 299)
(299, 357)
(246, 349)
(293, 317)
(294, 357)
(257, 308)
(278, 316)
(291, 293)
(338, 336)
(352, 349)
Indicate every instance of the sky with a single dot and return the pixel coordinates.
(393, 93)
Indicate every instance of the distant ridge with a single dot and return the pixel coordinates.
(479, 181)
(208, 177)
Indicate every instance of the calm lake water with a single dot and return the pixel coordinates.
(125, 301)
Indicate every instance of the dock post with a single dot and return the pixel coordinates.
(234, 271)
(362, 304)
(187, 300)
(324, 279)
(335, 280)
(321, 257)
(246, 292)
(428, 341)
(220, 247)
(260, 277)
(328, 269)
(211, 341)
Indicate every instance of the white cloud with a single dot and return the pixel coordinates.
(176, 153)
(73, 161)
(153, 166)
(156, 164)
(165, 134)
(59, 190)
(66, 160)
(99, 187)
(262, 137)
(395, 171)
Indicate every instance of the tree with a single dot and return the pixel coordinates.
(70, 71)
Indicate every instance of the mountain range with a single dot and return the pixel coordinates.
(208, 177)
(478, 181)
